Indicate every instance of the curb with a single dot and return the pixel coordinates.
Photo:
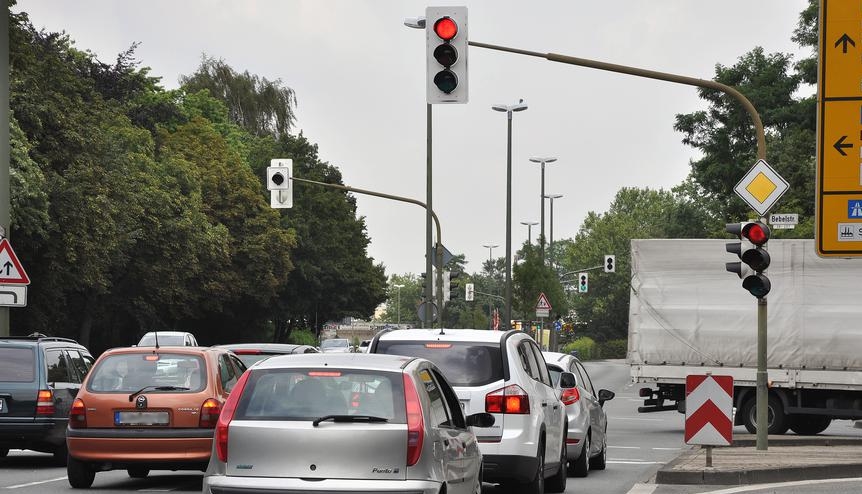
(758, 476)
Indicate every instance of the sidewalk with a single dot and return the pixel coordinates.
(788, 458)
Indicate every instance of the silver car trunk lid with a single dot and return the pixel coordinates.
(330, 450)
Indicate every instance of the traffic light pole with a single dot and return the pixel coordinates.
(426, 323)
(438, 248)
(5, 151)
(762, 396)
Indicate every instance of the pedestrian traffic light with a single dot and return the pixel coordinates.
(446, 54)
(469, 292)
(583, 282)
(610, 263)
(753, 236)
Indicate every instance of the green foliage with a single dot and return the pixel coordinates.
(302, 337)
(585, 347)
(613, 349)
(531, 277)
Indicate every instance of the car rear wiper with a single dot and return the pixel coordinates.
(349, 418)
(157, 388)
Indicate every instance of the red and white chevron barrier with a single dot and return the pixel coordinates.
(708, 410)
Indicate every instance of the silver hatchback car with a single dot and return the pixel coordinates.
(588, 423)
(344, 423)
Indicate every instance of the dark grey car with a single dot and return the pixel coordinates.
(344, 423)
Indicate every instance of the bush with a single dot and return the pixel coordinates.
(584, 346)
(613, 349)
(302, 337)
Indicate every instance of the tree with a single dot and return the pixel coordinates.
(401, 303)
(532, 277)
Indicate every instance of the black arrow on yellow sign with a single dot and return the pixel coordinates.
(841, 144)
(844, 41)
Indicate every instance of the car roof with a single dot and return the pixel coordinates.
(339, 360)
(556, 357)
(200, 350)
(168, 333)
(269, 347)
(418, 334)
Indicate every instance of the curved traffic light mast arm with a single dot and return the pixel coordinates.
(651, 74)
(438, 248)
(567, 273)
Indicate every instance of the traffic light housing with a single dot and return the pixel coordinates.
(469, 292)
(446, 54)
(583, 282)
(279, 183)
(610, 263)
(750, 249)
(450, 288)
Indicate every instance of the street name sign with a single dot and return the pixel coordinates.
(11, 270)
(838, 229)
(779, 221)
(543, 306)
(761, 187)
(708, 409)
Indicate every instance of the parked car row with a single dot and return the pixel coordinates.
(425, 408)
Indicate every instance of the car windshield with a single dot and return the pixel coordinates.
(164, 340)
(338, 343)
(17, 365)
(463, 363)
(129, 372)
(309, 394)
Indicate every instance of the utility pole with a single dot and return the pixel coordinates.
(5, 151)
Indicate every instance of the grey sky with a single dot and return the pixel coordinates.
(359, 76)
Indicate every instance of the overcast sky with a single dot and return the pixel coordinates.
(359, 77)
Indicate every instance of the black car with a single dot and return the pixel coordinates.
(251, 353)
(39, 378)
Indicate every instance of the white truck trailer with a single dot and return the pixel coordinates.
(690, 316)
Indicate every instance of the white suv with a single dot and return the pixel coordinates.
(502, 373)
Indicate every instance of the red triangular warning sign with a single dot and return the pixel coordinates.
(11, 270)
(543, 302)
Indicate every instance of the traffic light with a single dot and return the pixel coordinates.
(278, 182)
(446, 54)
(583, 282)
(450, 292)
(610, 263)
(753, 236)
(469, 292)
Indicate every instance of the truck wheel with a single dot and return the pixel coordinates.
(778, 421)
(809, 425)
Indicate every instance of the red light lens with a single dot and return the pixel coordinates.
(78, 415)
(45, 402)
(446, 28)
(226, 415)
(325, 373)
(247, 352)
(151, 358)
(756, 233)
(209, 413)
(438, 345)
(570, 395)
(415, 423)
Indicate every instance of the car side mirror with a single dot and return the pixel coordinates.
(605, 395)
(568, 380)
(481, 419)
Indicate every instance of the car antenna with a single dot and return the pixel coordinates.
(441, 330)
(156, 335)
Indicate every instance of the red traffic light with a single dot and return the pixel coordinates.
(446, 28)
(756, 232)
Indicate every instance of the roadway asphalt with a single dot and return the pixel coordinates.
(787, 458)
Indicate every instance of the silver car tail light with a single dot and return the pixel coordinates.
(415, 423)
(226, 415)
(511, 399)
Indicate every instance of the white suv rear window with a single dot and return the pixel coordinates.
(463, 363)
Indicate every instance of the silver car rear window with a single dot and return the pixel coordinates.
(17, 365)
(130, 372)
(463, 363)
(308, 394)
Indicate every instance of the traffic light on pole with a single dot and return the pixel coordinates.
(278, 182)
(610, 263)
(583, 282)
(469, 292)
(446, 54)
(450, 286)
(753, 236)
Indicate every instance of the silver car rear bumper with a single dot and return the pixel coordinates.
(220, 484)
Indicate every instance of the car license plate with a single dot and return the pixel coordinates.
(141, 418)
(3, 405)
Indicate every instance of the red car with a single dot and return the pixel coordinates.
(146, 408)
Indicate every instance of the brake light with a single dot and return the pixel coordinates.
(226, 415)
(415, 423)
(45, 402)
(511, 399)
(570, 395)
(438, 345)
(78, 415)
(247, 352)
(209, 413)
(324, 374)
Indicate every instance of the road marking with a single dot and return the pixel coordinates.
(30, 484)
(638, 418)
(758, 487)
(636, 462)
(643, 489)
(667, 449)
(625, 447)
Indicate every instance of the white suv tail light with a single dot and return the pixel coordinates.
(511, 399)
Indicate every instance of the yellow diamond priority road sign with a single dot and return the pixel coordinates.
(761, 187)
(838, 196)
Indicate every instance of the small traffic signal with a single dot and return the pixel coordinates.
(753, 236)
(469, 292)
(610, 263)
(583, 282)
(278, 182)
(446, 54)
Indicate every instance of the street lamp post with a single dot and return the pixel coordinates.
(542, 161)
(529, 225)
(490, 248)
(520, 106)
(399, 287)
(551, 243)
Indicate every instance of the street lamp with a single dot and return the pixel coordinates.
(490, 248)
(542, 200)
(519, 106)
(399, 287)
(551, 243)
(530, 225)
